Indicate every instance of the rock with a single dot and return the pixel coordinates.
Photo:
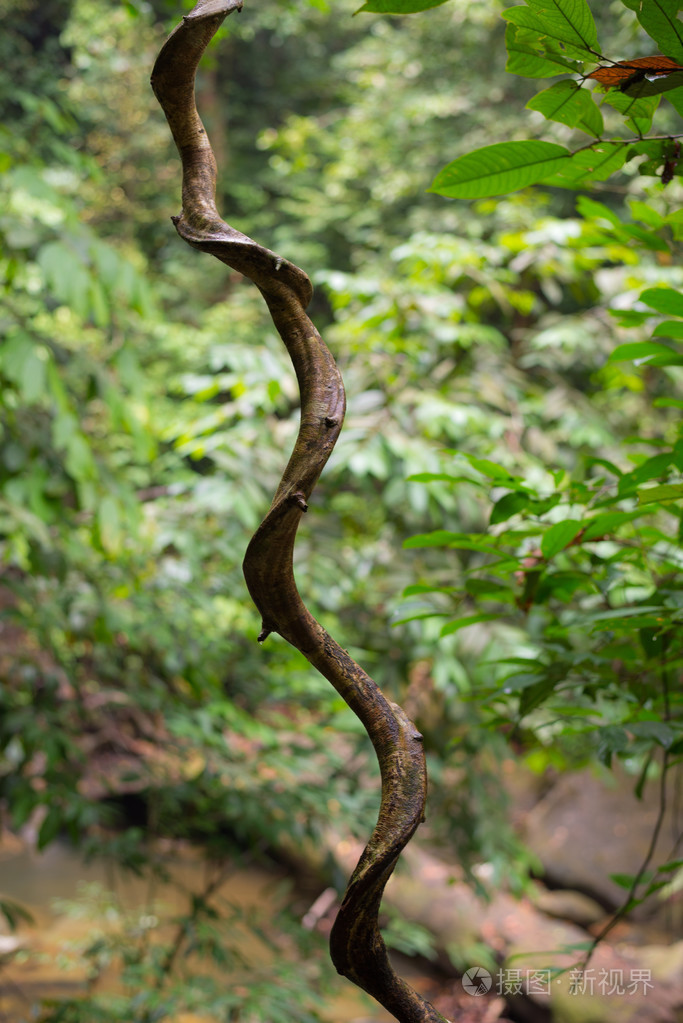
(587, 827)
(666, 963)
(566, 904)
(624, 984)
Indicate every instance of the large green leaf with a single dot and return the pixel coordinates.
(660, 20)
(565, 23)
(503, 167)
(529, 57)
(573, 19)
(594, 163)
(569, 104)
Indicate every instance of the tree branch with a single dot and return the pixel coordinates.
(357, 948)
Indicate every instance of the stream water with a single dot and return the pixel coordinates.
(48, 963)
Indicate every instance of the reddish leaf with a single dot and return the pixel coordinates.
(627, 72)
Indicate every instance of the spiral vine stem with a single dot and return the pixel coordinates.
(356, 945)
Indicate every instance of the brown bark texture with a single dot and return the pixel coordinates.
(356, 945)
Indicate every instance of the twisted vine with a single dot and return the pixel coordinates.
(356, 945)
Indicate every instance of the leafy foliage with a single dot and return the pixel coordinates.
(548, 39)
(521, 439)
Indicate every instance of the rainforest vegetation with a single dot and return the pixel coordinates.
(497, 537)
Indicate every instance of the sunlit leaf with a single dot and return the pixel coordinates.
(596, 162)
(568, 24)
(530, 58)
(637, 112)
(664, 300)
(502, 167)
(569, 104)
(660, 20)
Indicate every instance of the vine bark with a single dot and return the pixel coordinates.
(356, 945)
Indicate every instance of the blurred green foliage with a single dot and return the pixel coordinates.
(498, 535)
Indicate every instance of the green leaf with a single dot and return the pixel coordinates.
(663, 300)
(649, 239)
(491, 469)
(79, 461)
(608, 523)
(660, 20)
(65, 276)
(646, 214)
(612, 740)
(650, 613)
(638, 112)
(398, 6)
(529, 57)
(440, 477)
(502, 167)
(419, 616)
(663, 493)
(667, 868)
(566, 25)
(487, 589)
(15, 914)
(588, 207)
(597, 162)
(533, 696)
(558, 536)
(640, 352)
(462, 623)
(438, 538)
(51, 826)
(418, 588)
(623, 880)
(657, 730)
(25, 364)
(507, 506)
(444, 538)
(573, 19)
(670, 328)
(569, 104)
(650, 469)
(109, 524)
